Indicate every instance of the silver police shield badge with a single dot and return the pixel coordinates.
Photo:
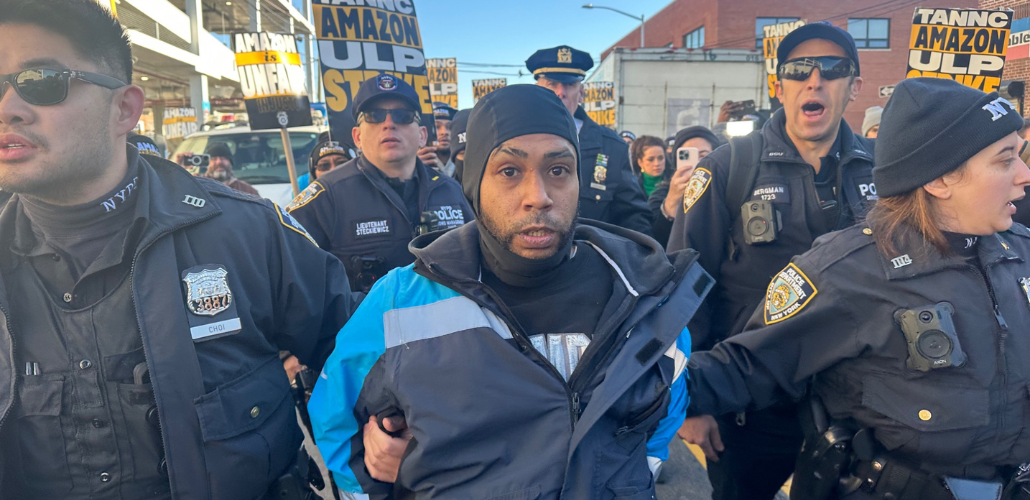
(1024, 283)
(207, 292)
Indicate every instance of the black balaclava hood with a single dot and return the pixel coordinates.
(504, 114)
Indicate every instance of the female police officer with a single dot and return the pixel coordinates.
(911, 329)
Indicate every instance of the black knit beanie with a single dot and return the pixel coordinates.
(931, 126)
(694, 132)
(221, 150)
(507, 113)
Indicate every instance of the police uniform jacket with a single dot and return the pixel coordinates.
(828, 322)
(228, 422)
(491, 417)
(608, 190)
(742, 271)
(352, 212)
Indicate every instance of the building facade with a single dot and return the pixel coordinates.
(881, 29)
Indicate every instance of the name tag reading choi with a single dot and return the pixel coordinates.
(210, 302)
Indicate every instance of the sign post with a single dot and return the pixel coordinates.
(273, 80)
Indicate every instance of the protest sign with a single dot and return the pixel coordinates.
(481, 88)
(179, 122)
(359, 40)
(272, 79)
(443, 80)
(771, 36)
(968, 46)
(599, 102)
(1019, 40)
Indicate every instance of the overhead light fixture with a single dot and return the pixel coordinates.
(228, 3)
(144, 78)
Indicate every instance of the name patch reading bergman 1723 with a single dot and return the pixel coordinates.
(371, 228)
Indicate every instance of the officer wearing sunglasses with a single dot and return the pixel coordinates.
(803, 175)
(367, 210)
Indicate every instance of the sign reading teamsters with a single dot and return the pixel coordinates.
(968, 46)
(443, 80)
(481, 88)
(359, 39)
(599, 102)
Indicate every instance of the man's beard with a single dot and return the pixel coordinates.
(64, 177)
(220, 175)
(507, 237)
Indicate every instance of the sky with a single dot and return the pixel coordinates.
(508, 32)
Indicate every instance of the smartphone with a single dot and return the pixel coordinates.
(200, 161)
(743, 108)
(687, 158)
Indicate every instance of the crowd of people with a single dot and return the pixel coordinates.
(533, 306)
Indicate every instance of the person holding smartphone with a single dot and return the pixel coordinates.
(804, 174)
(688, 146)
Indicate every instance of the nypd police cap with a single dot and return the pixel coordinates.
(382, 86)
(561, 64)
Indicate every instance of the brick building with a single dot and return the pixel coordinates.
(1016, 67)
(882, 32)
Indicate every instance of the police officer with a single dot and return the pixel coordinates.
(802, 175)
(325, 156)
(909, 328)
(142, 310)
(366, 211)
(609, 192)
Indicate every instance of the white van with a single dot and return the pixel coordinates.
(258, 156)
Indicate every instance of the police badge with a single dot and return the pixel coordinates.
(564, 55)
(1024, 283)
(207, 292)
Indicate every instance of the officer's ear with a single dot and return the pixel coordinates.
(355, 134)
(856, 86)
(423, 137)
(778, 86)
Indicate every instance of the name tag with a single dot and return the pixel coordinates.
(217, 329)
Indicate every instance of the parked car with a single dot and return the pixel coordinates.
(259, 156)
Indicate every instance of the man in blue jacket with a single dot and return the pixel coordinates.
(142, 310)
(529, 355)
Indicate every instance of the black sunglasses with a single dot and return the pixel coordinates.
(830, 68)
(401, 116)
(46, 87)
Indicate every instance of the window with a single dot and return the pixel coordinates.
(870, 33)
(766, 21)
(695, 39)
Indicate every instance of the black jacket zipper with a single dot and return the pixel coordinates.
(1002, 336)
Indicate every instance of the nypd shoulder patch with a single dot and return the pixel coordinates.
(696, 186)
(789, 292)
(306, 196)
(287, 220)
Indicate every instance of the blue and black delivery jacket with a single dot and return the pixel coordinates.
(490, 418)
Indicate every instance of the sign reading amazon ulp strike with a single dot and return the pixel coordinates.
(772, 35)
(599, 102)
(443, 80)
(272, 80)
(968, 46)
(359, 39)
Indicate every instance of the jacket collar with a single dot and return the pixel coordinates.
(913, 259)
(640, 262)
(589, 133)
(778, 147)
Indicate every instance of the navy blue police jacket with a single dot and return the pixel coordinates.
(828, 325)
(608, 190)
(354, 214)
(714, 229)
(228, 421)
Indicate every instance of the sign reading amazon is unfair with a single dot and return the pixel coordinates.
(968, 46)
(358, 40)
(272, 80)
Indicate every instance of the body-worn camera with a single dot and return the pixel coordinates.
(762, 222)
(428, 222)
(197, 160)
(369, 270)
(931, 337)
